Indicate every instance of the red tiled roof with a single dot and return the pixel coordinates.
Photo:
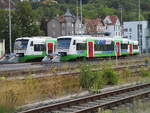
(61, 18)
(113, 19)
(91, 24)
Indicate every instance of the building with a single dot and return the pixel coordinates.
(113, 25)
(79, 27)
(138, 30)
(66, 24)
(2, 48)
(4, 4)
(94, 26)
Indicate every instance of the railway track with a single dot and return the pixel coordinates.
(41, 73)
(106, 100)
(29, 68)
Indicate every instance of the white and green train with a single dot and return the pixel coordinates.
(34, 48)
(82, 46)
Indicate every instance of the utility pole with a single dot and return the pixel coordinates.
(77, 8)
(10, 49)
(139, 10)
(77, 29)
(81, 10)
(121, 16)
(140, 28)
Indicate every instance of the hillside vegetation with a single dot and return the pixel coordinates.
(96, 8)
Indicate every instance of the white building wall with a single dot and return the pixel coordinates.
(110, 29)
(2, 48)
(113, 28)
(131, 31)
(79, 27)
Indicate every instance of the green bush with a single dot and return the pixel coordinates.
(97, 81)
(144, 73)
(86, 77)
(90, 79)
(146, 60)
(110, 76)
(4, 109)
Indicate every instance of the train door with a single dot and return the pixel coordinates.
(90, 49)
(130, 49)
(118, 52)
(50, 48)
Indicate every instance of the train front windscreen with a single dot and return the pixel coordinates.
(21, 44)
(63, 43)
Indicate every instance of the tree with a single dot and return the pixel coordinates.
(4, 27)
(3, 24)
(25, 23)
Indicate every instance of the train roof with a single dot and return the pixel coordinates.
(85, 37)
(89, 37)
(36, 37)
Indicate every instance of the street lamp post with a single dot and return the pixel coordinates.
(10, 49)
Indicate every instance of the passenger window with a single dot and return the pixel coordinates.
(81, 46)
(39, 47)
(74, 42)
(31, 44)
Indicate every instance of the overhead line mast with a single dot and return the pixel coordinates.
(81, 10)
(10, 48)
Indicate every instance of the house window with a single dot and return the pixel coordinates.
(126, 30)
(72, 25)
(130, 30)
(141, 27)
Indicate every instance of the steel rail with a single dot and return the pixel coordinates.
(113, 102)
(38, 71)
(87, 99)
(60, 73)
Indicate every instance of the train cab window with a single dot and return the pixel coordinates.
(74, 42)
(31, 44)
(39, 47)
